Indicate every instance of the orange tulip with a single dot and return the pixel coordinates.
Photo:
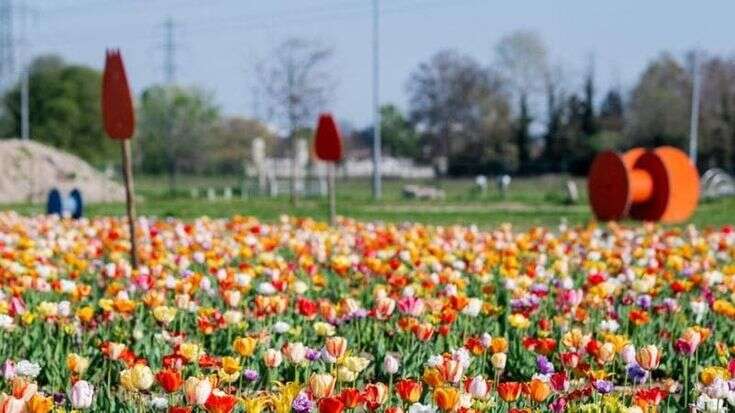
(648, 357)
(423, 331)
(446, 398)
(39, 404)
(499, 345)
(538, 390)
(433, 377)
(408, 390)
(509, 391)
(336, 347)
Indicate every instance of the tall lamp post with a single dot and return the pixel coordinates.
(377, 184)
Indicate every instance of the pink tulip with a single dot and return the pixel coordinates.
(411, 305)
(8, 370)
(9, 404)
(82, 394)
(17, 306)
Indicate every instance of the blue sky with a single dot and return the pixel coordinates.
(219, 40)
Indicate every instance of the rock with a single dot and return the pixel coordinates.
(422, 192)
(31, 169)
(572, 192)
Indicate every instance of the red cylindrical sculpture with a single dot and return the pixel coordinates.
(327, 139)
(650, 185)
(117, 105)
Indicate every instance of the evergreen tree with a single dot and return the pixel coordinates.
(523, 134)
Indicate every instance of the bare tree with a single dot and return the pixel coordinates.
(296, 85)
(522, 59)
(452, 98)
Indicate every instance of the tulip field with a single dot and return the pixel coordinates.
(235, 314)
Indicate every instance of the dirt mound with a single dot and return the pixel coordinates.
(31, 169)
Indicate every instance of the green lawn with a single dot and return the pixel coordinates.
(530, 201)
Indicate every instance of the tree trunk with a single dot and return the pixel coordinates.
(294, 174)
(522, 133)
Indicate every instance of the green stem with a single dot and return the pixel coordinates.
(686, 382)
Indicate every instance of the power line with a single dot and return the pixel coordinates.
(288, 19)
(96, 4)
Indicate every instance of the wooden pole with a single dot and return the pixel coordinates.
(332, 194)
(130, 200)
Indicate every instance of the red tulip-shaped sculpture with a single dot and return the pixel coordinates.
(119, 120)
(328, 148)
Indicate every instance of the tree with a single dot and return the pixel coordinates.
(398, 135)
(522, 59)
(717, 113)
(555, 148)
(297, 85)
(660, 105)
(589, 121)
(64, 109)
(231, 143)
(190, 115)
(451, 97)
(612, 112)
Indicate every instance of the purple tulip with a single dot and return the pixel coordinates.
(603, 386)
(644, 301)
(313, 355)
(544, 365)
(637, 373)
(302, 404)
(250, 375)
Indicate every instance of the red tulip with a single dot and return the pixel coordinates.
(408, 390)
(220, 402)
(331, 405)
(350, 397)
(170, 380)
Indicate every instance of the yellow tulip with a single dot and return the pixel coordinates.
(321, 385)
(518, 321)
(39, 404)
(324, 329)
(142, 377)
(230, 364)
(164, 314)
(76, 363)
(245, 346)
(189, 351)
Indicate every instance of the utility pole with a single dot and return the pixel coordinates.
(7, 43)
(377, 184)
(25, 127)
(169, 47)
(694, 121)
(169, 67)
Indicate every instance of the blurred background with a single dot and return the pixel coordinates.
(486, 111)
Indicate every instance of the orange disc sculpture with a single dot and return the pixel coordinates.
(661, 184)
